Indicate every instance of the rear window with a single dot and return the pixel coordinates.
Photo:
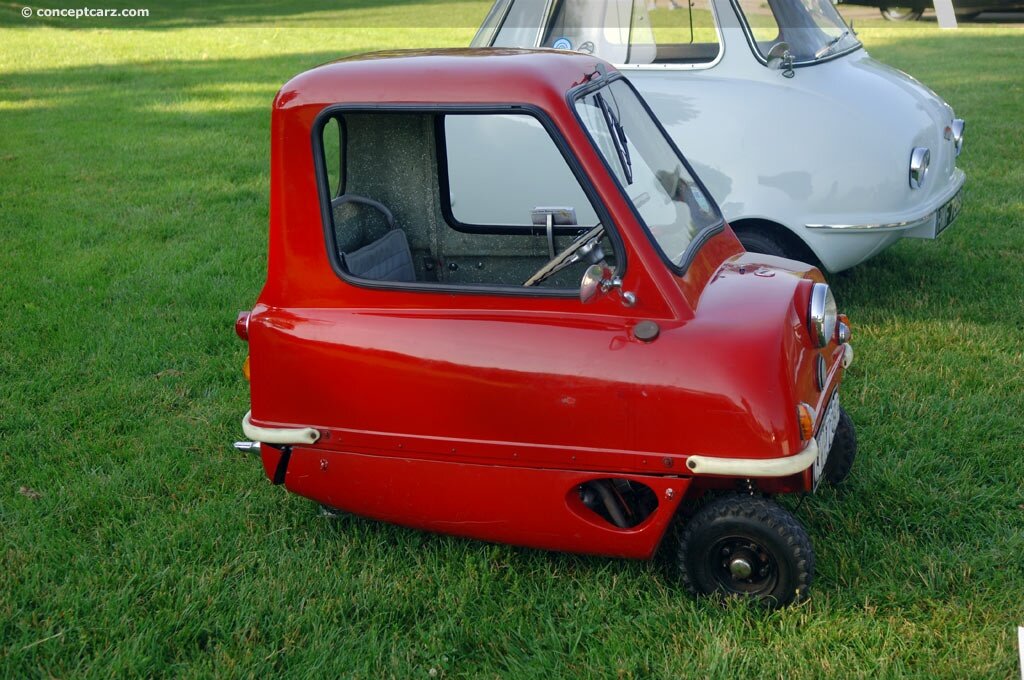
(673, 32)
(682, 32)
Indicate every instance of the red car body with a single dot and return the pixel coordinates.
(484, 414)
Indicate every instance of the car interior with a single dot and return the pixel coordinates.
(388, 178)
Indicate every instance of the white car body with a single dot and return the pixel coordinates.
(819, 151)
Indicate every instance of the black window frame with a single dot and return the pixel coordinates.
(704, 235)
(439, 110)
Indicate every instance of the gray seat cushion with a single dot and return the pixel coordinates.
(386, 259)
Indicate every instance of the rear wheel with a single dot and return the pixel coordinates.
(844, 450)
(330, 513)
(760, 242)
(746, 546)
(901, 13)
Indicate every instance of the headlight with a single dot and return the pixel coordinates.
(958, 134)
(919, 160)
(821, 315)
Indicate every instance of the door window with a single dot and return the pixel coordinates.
(473, 200)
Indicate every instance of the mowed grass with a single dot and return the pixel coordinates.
(134, 540)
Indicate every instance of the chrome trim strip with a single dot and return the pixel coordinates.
(877, 227)
(549, 9)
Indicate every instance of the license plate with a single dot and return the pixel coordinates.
(948, 212)
(826, 433)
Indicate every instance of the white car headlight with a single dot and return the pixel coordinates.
(920, 157)
(821, 315)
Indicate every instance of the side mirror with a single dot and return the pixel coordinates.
(778, 50)
(597, 279)
(591, 284)
(779, 56)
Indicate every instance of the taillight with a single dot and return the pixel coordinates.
(242, 325)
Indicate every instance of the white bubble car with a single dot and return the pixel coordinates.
(813, 150)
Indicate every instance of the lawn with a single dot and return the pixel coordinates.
(135, 540)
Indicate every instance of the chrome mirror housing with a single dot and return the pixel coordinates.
(593, 277)
(600, 278)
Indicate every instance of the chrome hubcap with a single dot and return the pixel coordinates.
(740, 568)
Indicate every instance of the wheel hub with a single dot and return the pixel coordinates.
(739, 567)
(743, 566)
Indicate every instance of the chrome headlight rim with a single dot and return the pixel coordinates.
(957, 129)
(920, 159)
(822, 315)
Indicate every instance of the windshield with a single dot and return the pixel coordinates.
(656, 180)
(812, 29)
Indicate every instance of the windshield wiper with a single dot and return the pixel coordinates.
(830, 44)
(618, 138)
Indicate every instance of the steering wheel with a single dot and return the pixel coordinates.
(362, 200)
(583, 246)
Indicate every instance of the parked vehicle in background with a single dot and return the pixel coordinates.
(813, 149)
(966, 10)
(570, 375)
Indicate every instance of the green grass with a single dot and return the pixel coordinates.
(133, 212)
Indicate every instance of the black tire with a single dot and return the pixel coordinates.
(901, 13)
(331, 513)
(844, 451)
(760, 242)
(746, 531)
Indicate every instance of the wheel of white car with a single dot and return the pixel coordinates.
(760, 242)
(901, 13)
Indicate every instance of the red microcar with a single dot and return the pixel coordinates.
(500, 304)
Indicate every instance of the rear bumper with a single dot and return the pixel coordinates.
(929, 223)
(278, 435)
(841, 245)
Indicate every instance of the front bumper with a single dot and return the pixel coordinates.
(767, 467)
(755, 467)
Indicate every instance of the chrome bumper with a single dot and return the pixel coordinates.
(928, 226)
